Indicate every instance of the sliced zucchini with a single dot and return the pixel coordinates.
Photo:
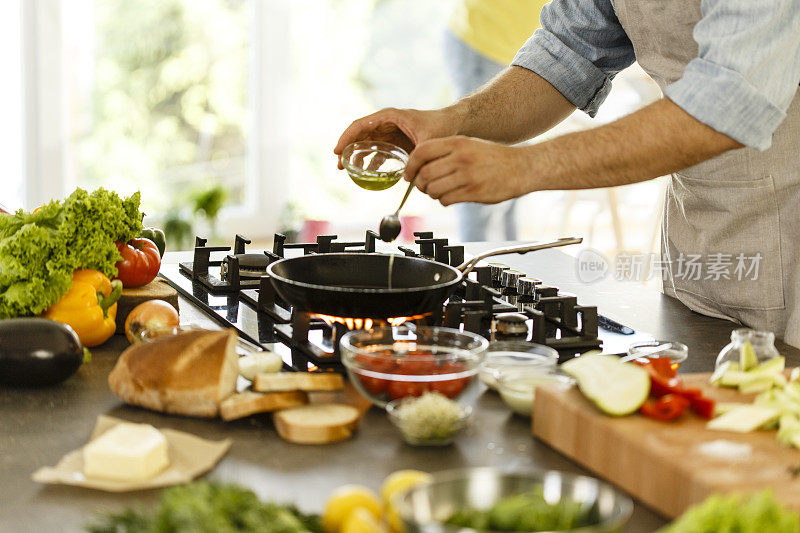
(723, 407)
(615, 388)
(744, 419)
(756, 385)
(747, 357)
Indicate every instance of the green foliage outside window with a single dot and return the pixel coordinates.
(168, 105)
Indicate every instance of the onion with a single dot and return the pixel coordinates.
(147, 316)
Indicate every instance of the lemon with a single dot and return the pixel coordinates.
(361, 520)
(343, 501)
(397, 483)
(401, 481)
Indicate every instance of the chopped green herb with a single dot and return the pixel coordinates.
(524, 512)
(209, 507)
(432, 416)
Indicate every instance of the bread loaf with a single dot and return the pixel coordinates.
(187, 374)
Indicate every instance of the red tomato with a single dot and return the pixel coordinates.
(140, 262)
(451, 387)
(375, 363)
(374, 386)
(405, 389)
(417, 364)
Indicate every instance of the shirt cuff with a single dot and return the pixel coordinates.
(574, 76)
(724, 100)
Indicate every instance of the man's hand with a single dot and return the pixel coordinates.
(654, 141)
(462, 169)
(405, 128)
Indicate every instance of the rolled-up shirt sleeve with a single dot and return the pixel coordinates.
(747, 70)
(578, 49)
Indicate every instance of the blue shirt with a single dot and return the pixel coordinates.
(741, 84)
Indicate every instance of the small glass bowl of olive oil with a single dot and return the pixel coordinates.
(374, 165)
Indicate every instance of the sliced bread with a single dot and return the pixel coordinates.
(317, 423)
(248, 403)
(298, 381)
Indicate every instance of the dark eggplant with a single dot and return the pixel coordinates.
(37, 352)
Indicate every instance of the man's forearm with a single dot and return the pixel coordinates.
(654, 141)
(515, 106)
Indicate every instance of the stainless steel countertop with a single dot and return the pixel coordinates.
(38, 426)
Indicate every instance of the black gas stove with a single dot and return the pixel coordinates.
(494, 301)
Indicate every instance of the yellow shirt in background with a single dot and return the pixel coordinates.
(496, 28)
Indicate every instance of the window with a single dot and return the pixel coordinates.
(350, 58)
(156, 98)
(172, 97)
(11, 128)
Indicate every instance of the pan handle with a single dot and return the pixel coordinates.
(467, 266)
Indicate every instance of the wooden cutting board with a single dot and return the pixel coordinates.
(667, 465)
(158, 289)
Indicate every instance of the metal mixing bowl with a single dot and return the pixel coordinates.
(426, 507)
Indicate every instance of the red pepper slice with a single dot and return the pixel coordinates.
(703, 407)
(667, 407)
(691, 393)
(663, 367)
(664, 383)
(661, 385)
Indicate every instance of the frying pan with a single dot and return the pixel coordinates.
(351, 284)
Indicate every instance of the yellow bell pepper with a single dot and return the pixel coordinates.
(89, 307)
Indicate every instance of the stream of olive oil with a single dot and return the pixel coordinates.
(391, 267)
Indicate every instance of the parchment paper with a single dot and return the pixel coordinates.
(189, 456)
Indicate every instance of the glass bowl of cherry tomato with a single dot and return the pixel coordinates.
(386, 364)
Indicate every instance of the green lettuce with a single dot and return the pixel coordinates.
(737, 513)
(39, 251)
(93, 222)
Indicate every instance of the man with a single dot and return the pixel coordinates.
(483, 37)
(727, 129)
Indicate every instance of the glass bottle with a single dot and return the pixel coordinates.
(763, 343)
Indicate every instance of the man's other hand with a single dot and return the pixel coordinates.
(462, 169)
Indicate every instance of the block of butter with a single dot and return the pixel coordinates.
(127, 452)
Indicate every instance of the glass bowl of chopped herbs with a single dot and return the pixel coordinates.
(432, 419)
(491, 500)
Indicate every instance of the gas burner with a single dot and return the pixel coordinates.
(242, 270)
(251, 266)
(511, 326)
(494, 301)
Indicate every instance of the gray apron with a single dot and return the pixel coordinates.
(740, 210)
